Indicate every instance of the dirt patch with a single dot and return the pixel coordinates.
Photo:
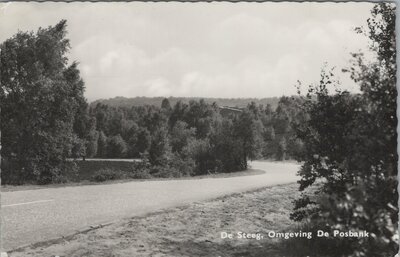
(193, 230)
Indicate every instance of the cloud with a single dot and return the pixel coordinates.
(214, 50)
(158, 87)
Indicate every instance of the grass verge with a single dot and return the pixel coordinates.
(12, 188)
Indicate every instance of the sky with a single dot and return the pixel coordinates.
(226, 50)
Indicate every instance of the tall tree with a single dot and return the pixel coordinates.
(248, 131)
(102, 145)
(39, 98)
(165, 105)
(116, 147)
(180, 136)
(159, 147)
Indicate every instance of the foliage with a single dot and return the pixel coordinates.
(116, 147)
(180, 124)
(248, 132)
(202, 154)
(350, 149)
(107, 174)
(39, 98)
(92, 143)
(192, 132)
(159, 147)
(101, 145)
(128, 103)
(181, 135)
(141, 170)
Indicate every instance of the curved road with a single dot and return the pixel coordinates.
(36, 215)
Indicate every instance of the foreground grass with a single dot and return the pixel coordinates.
(12, 188)
(193, 230)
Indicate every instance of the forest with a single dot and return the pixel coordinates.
(122, 132)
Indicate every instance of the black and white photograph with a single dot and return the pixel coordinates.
(188, 129)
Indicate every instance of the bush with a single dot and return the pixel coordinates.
(107, 174)
(18, 173)
(316, 246)
(350, 143)
(172, 166)
(87, 169)
(164, 172)
(140, 170)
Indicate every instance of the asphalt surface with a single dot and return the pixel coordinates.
(31, 216)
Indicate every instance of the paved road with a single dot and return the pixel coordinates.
(36, 215)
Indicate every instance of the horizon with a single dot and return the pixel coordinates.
(197, 97)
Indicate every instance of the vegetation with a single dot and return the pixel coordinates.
(350, 153)
(89, 168)
(346, 142)
(107, 174)
(157, 101)
(41, 98)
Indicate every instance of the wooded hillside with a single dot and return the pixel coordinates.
(156, 101)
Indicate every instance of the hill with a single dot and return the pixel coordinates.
(231, 102)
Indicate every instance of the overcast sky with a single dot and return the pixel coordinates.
(202, 49)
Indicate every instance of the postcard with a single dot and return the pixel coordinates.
(198, 129)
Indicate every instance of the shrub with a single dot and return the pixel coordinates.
(164, 172)
(172, 166)
(316, 246)
(107, 174)
(140, 170)
(350, 143)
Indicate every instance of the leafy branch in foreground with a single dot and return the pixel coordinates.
(350, 149)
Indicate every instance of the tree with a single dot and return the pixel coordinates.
(143, 140)
(224, 147)
(248, 131)
(284, 120)
(39, 98)
(166, 106)
(116, 147)
(78, 148)
(138, 142)
(200, 115)
(282, 149)
(201, 152)
(177, 113)
(102, 145)
(181, 135)
(159, 147)
(92, 143)
(350, 149)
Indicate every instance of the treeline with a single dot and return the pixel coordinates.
(120, 101)
(121, 132)
(196, 134)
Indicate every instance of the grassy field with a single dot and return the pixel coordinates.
(193, 230)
